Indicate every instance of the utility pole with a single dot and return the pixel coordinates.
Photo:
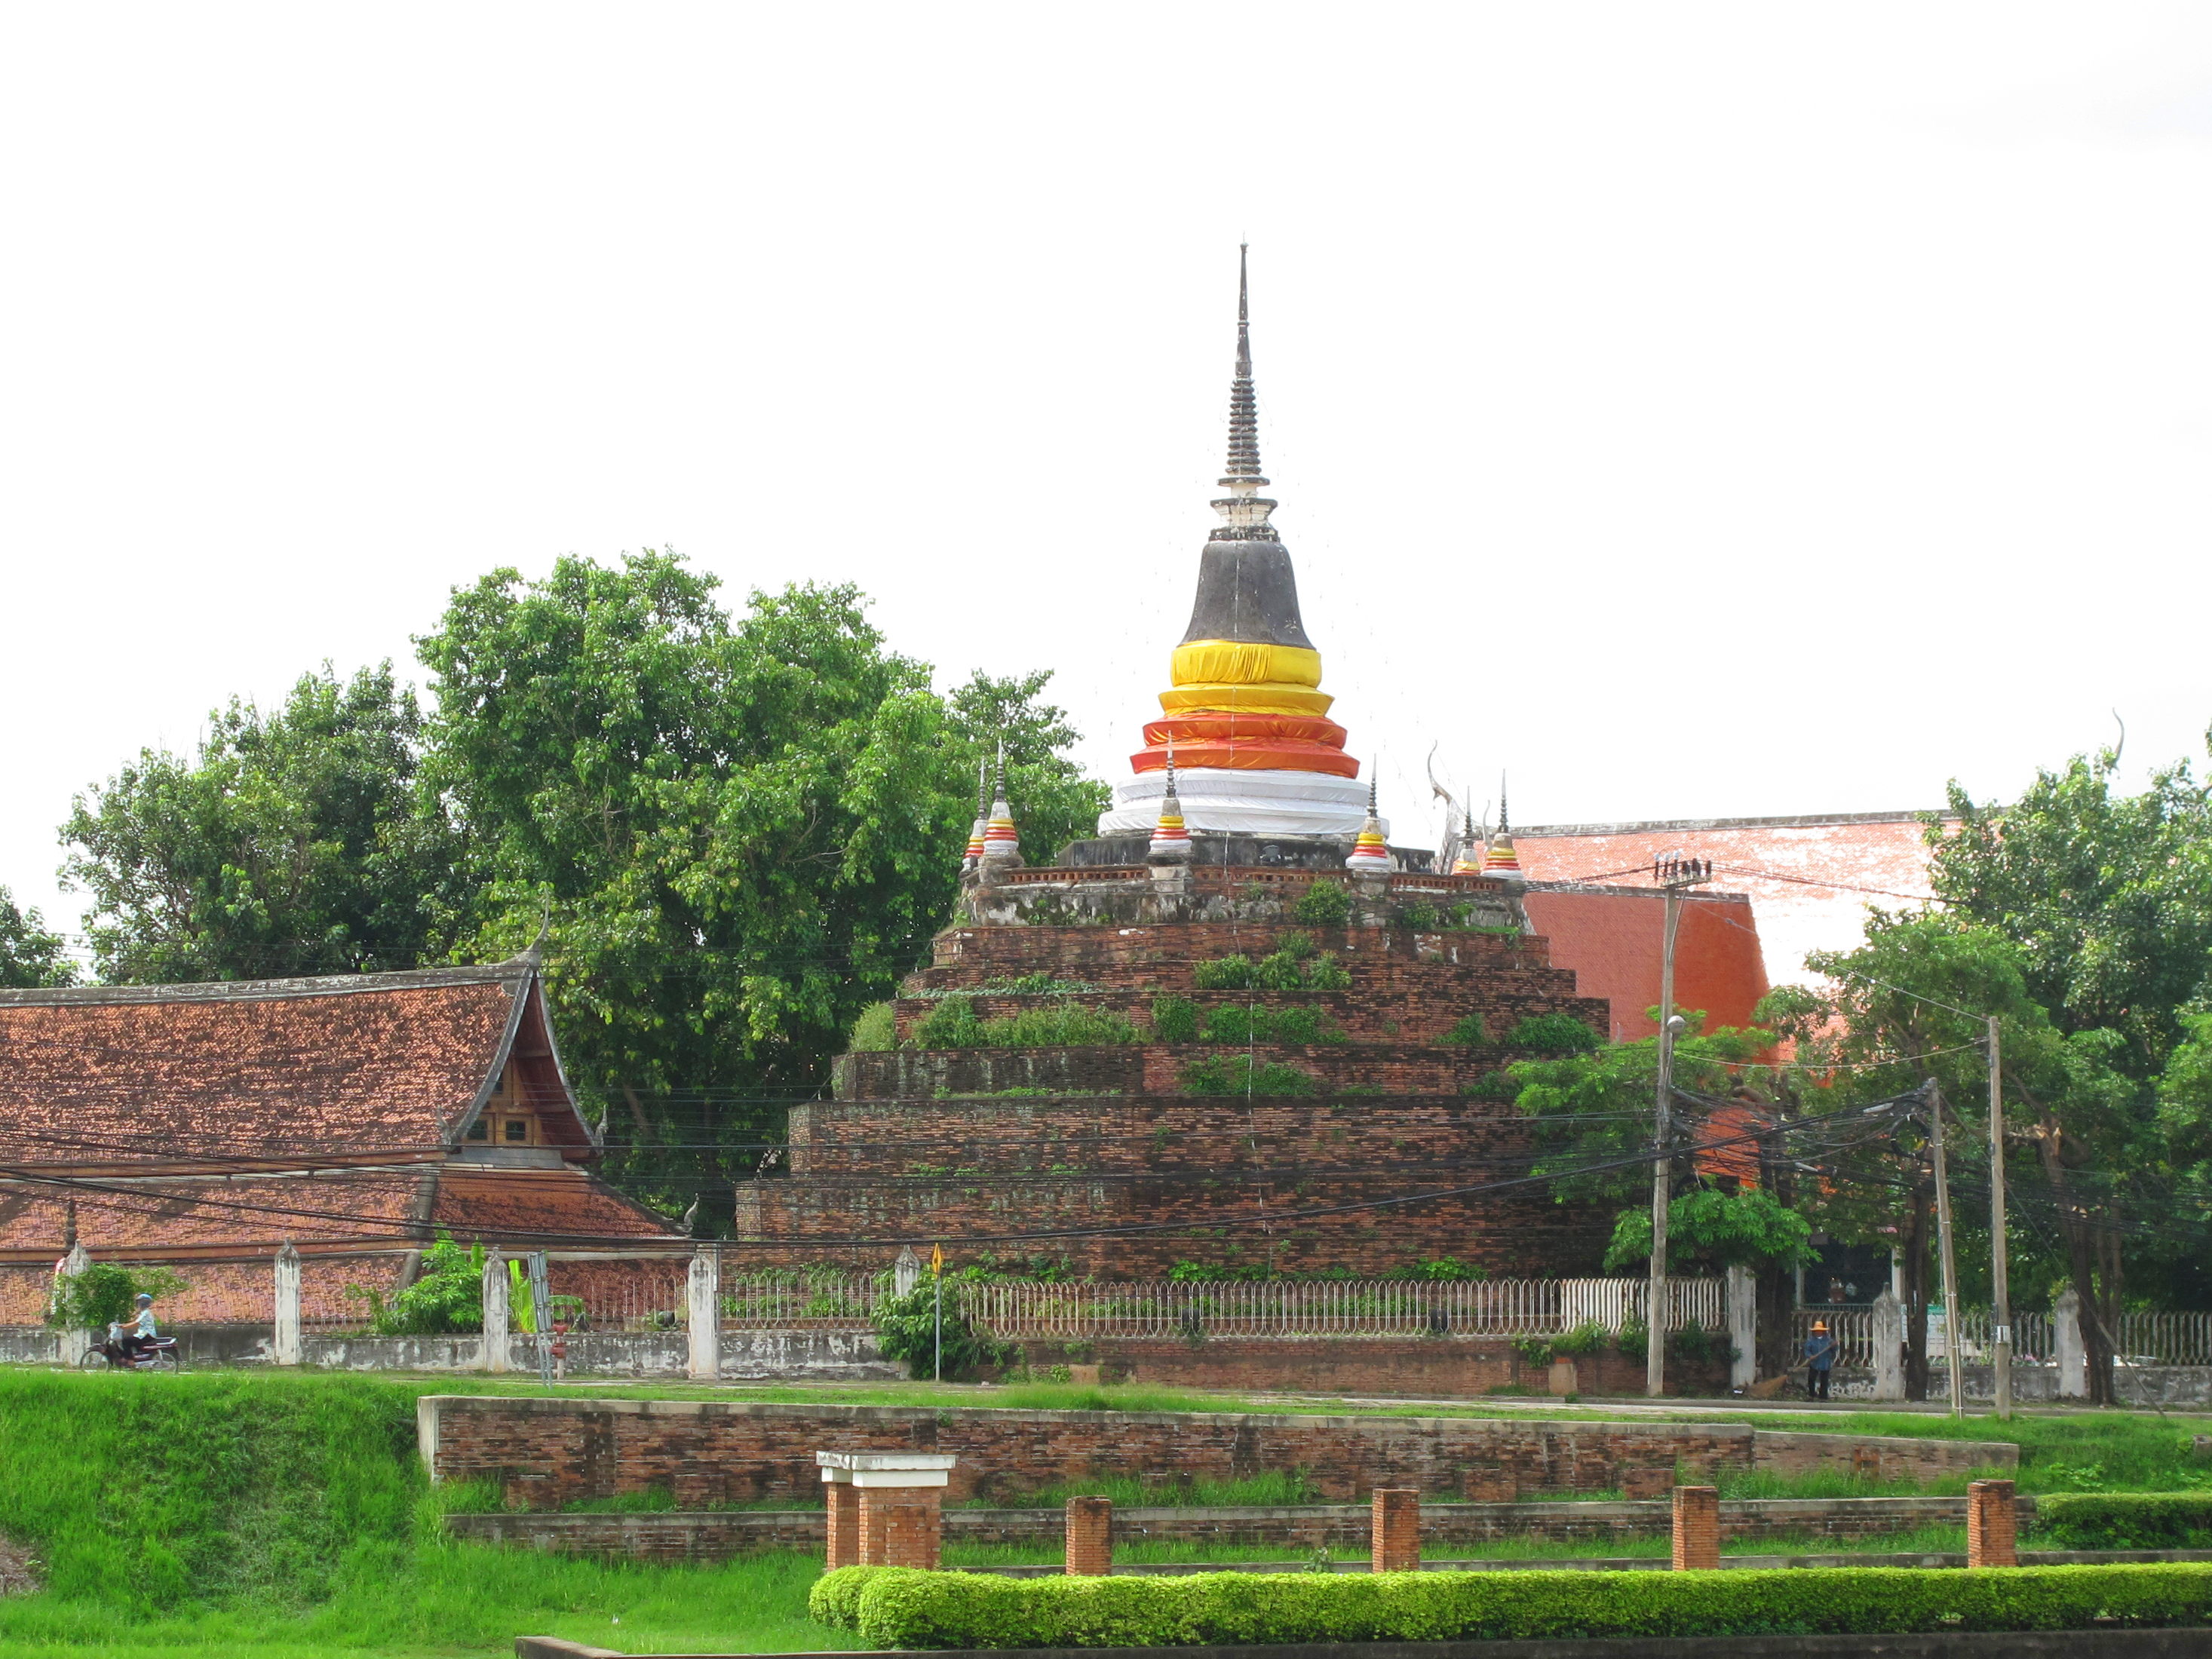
(2000, 1267)
(1673, 877)
(1950, 1262)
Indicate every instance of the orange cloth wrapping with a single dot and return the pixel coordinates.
(1266, 754)
(1190, 728)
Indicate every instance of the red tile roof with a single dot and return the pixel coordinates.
(196, 1118)
(277, 1068)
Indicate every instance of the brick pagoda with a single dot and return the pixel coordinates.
(1335, 1106)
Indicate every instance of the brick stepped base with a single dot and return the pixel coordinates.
(1419, 1014)
(914, 1149)
(933, 1168)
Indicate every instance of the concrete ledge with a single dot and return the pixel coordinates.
(1627, 1563)
(2190, 1643)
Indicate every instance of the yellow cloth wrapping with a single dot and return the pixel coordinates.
(1245, 700)
(1232, 662)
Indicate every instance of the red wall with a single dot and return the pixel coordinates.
(1613, 941)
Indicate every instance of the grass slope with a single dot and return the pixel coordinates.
(289, 1514)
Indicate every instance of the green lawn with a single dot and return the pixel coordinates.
(288, 1515)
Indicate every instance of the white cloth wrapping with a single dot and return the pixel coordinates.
(1239, 802)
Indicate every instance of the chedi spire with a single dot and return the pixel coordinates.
(1002, 842)
(1501, 860)
(1170, 842)
(1246, 713)
(974, 856)
(1369, 854)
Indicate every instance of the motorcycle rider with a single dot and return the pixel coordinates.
(139, 1335)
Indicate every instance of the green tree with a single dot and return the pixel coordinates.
(739, 833)
(1909, 1005)
(2108, 896)
(31, 958)
(297, 842)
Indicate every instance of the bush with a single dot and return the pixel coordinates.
(874, 1030)
(1271, 1025)
(1586, 1338)
(1419, 918)
(1175, 1019)
(835, 1600)
(900, 1608)
(907, 1329)
(1326, 973)
(1237, 1075)
(1468, 1030)
(1323, 904)
(1279, 972)
(1232, 973)
(951, 1024)
(105, 1294)
(2126, 1521)
(1554, 1034)
(446, 1296)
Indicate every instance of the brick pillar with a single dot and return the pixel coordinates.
(900, 1526)
(1090, 1537)
(1396, 1529)
(1991, 1524)
(1697, 1527)
(844, 1540)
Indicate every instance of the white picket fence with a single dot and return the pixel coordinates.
(1353, 1308)
(2151, 1338)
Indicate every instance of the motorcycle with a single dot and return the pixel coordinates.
(158, 1354)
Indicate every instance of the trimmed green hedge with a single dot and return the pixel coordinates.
(2126, 1519)
(835, 1600)
(896, 1608)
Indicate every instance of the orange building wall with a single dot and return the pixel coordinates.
(1613, 942)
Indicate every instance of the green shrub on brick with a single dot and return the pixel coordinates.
(1237, 1075)
(901, 1608)
(1554, 1034)
(835, 1600)
(1324, 905)
(1230, 973)
(2126, 1519)
(1175, 1019)
(1469, 1029)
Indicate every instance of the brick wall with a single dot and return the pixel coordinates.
(548, 1452)
(1384, 1068)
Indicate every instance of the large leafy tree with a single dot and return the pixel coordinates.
(296, 841)
(30, 956)
(2109, 896)
(1911, 1005)
(735, 834)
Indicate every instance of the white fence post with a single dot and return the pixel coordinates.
(1888, 1347)
(75, 1341)
(285, 1345)
(494, 1311)
(906, 1271)
(1743, 1326)
(2066, 1339)
(703, 1314)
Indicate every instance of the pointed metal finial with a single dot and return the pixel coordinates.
(1243, 472)
(1504, 822)
(982, 788)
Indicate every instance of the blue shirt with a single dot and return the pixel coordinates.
(1821, 1351)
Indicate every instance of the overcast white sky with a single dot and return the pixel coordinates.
(1697, 409)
